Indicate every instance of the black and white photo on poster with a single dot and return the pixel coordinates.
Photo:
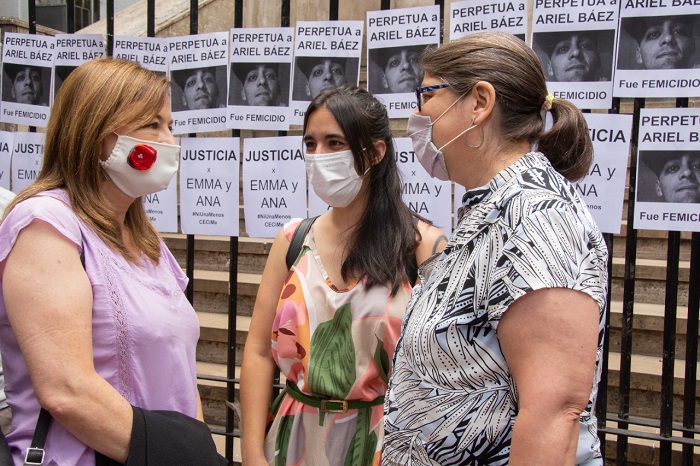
(27, 159)
(658, 51)
(6, 140)
(72, 50)
(668, 170)
(472, 16)
(26, 78)
(576, 44)
(150, 52)
(326, 55)
(395, 41)
(209, 186)
(198, 67)
(260, 78)
(274, 184)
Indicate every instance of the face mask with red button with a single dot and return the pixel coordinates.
(140, 167)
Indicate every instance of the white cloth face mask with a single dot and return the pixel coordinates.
(141, 167)
(333, 177)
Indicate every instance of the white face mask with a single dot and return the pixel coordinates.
(333, 177)
(140, 167)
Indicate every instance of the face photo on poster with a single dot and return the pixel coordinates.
(72, 50)
(575, 56)
(198, 88)
(659, 42)
(262, 84)
(61, 73)
(313, 75)
(395, 70)
(658, 53)
(26, 84)
(669, 176)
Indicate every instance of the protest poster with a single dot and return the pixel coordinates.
(27, 158)
(274, 184)
(27, 61)
(326, 55)
(161, 208)
(603, 188)
(198, 71)
(657, 49)
(428, 197)
(472, 16)
(209, 186)
(72, 50)
(149, 52)
(576, 44)
(668, 170)
(6, 142)
(396, 39)
(260, 78)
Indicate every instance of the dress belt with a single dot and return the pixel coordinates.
(326, 405)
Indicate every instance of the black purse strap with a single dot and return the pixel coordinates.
(298, 240)
(36, 451)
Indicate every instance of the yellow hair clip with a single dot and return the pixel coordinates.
(547, 105)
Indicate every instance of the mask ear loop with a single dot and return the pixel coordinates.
(482, 137)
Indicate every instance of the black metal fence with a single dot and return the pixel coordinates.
(669, 433)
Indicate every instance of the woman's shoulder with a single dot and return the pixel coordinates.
(290, 227)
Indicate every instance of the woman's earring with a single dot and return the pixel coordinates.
(482, 137)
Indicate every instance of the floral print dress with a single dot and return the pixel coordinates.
(337, 344)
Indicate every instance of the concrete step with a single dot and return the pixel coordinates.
(643, 451)
(213, 252)
(648, 327)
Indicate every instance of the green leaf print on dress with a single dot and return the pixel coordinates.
(284, 432)
(332, 364)
(381, 358)
(364, 443)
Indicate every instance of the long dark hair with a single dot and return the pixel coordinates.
(385, 241)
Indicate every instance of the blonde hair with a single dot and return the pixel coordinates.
(514, 71)
(95, 100)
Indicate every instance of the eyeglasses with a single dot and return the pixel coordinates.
(421, 90)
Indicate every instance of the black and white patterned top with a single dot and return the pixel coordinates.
(451, 399)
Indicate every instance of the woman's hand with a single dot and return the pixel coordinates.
(549, 338)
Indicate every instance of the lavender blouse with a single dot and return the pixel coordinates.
(144, 331)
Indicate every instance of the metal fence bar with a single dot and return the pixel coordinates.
(628, 293)
(691, 349)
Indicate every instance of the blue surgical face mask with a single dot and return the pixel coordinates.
(420, 130)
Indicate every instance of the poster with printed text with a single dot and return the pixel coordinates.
(27, 158)
(668, 170)
(6, 141)
(198, 68)
(27, 61)
(429, 197)
(395, 41)
(209, 186)
(603, 189)
(274, 184)
(72, 50)
(471, 16)
(326, 55)
(149, 52)
(658, 49)
(260, 78)
(161, 208)
(575, 45)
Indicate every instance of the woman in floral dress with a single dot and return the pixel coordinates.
(334, 318)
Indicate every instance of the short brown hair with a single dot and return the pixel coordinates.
(95, 100)
(514, 71)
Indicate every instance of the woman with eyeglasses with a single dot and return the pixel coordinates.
(331, 321)
(500, 350)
